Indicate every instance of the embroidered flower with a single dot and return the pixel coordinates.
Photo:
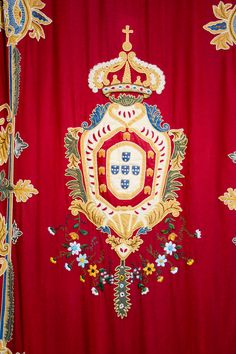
(82, 260)
(174, 270)
(161, 260)
(149, 269)
(170, 247)
(74, 248)
(67, 267)
(74, 236)
(190, 261)
(81, 278)
(172, 236)
(197, 233)
(93, 271)
(52, 260)
(160, 278)
(51, 230)
(144, 290)
(121, 306)
(94, 291)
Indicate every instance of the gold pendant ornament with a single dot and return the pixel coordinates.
(125, 165)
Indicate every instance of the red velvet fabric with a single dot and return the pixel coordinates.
(192, 312)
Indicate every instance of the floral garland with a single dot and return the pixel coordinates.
(80, 252)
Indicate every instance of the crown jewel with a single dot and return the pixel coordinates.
(126, 73)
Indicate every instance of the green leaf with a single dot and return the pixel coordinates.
(165, 232)
(84, 245)
(75, 226)
(178, 247)
(76, 185)
(176, 256)
(71, 145)
(171, 226)
(83, 232)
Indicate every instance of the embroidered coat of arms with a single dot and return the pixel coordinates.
(126, 164)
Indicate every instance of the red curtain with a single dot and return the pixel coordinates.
(192, 312)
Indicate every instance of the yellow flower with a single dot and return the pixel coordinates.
(81, 278)
(190, 261)
(149, 269)
(172, 236)
(74, 235)
(52, 260)
(93, 270)
(160, 278)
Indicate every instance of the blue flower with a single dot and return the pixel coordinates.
(82, 260)
(161, 261)
(170, 247)
(74, 248)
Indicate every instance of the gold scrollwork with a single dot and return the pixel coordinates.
(4, 247)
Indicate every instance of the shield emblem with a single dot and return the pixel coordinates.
(125, 170)
(115, 169)
(124, 183)
(136, 170)
(126, 156)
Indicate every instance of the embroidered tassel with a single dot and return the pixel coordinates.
(122, 301)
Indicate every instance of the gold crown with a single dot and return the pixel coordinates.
(148, 77)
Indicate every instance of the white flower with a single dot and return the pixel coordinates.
(170, 247)
(82, 260)
(67, 267)
(144, 291)
(121, 306)
(161, 260)
(198, 233)
(51, 230)
(94, 291)
(74, 248)
(174, 270)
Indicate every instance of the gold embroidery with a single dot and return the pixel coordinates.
(229, 198)
(24, 190)
(223, 28)
(149, 172)
(126, 136)
(103, 188)
(101, 170)
(150, 154)
(101, 153)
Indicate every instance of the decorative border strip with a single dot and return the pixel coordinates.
(17, 19)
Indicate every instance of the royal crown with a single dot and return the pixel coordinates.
(132, 75)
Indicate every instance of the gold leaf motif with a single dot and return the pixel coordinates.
(221, 11)
(222, 41)
(229, 198)
(24, 190)
(5, 143)
(38, 4)
(4, 247)
(73, 161)
(3, 232)
(176, 163)
(222, 28)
